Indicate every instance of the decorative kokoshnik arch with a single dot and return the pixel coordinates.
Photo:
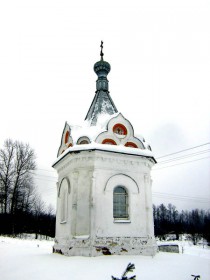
(124, 180)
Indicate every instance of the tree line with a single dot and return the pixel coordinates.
(21, 207)
(168, 220)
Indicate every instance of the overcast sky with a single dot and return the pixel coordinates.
(159, 53)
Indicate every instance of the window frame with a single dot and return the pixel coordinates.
(121, 218)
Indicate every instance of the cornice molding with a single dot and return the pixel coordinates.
(84, 159)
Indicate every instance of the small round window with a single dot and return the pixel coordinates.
(83, 140)
(109, 142)
(120, 129)
(131, 145)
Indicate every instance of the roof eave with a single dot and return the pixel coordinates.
(101, 150)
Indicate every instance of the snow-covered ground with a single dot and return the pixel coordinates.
(33, 259)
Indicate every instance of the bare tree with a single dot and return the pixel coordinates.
(6, 174)
(50, 210)
(39, 209)
(21, 207)
(39, 206)
(24, 163)
(17, 160)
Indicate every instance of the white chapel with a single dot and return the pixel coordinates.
(104, 196)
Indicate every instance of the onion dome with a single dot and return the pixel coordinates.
(102, 102)
(102, 69)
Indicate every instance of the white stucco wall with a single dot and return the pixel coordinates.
(92, 176)
(109, 174)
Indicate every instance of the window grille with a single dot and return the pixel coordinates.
(120, 203)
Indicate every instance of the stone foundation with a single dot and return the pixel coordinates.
(107, 246)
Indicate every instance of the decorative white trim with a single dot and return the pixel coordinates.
(120, 136)
(122, 179)
(85, 157)
(121, 221)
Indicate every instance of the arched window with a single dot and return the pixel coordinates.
(120, 203)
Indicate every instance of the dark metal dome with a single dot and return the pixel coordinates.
(102, 68)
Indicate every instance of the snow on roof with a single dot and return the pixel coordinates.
(105, 147)
(85, 129)
(91, 131)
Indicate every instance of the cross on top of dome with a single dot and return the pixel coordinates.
(102, 54)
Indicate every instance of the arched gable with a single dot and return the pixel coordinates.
(121, 121)
(122, 179)
(66, 139)
(119, 131)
